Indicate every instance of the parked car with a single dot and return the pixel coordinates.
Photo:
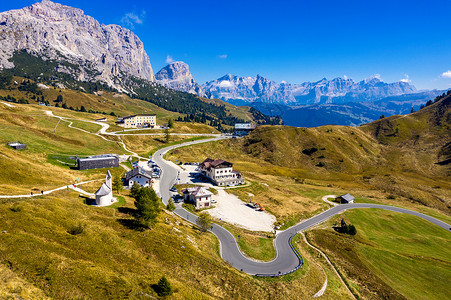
(177, 198)
(213, 201)
(173, 189)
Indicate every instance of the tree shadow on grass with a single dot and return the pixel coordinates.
(160, 140)
(132, 224)
(156, 288)
(127, 210)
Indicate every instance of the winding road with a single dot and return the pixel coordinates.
(286, 260)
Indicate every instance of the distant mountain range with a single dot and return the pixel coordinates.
(236, 89)
(340, 101)
(246, 90)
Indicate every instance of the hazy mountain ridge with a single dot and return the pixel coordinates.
(83, 47)
(349, 113)
(259, 89)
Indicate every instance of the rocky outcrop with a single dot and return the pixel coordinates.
(259, 89)
(177, 76)
(108, 53)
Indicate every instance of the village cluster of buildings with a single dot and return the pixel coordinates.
(219, 172)
(242, 129)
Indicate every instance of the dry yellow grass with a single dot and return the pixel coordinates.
(13, 286)
(111, 261)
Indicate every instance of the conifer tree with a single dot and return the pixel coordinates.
(164, 287)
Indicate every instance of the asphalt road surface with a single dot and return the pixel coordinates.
(286, 260)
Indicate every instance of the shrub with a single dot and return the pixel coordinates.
(351, 230)
(76, 229)
(171, 205)
(204, 222)
(310, 151)
(16, 208)
(117, 184)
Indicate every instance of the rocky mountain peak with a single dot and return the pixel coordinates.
(96, 52)
(177, 76)
(174, 71)
(373, 79)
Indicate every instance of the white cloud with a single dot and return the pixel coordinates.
(225, 84)
(169, 59)
(131, 19)
(406, 79)
(223, 56)
(446, 74)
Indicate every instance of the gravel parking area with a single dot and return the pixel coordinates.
(231, 209)
(228, 207)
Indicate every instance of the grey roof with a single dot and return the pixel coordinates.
(138, 115)
(103, 190)
(99, 157)
(137, 171)
(347, 197)
(198, 191)
(12, 144)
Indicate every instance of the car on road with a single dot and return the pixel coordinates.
(177, 198)
(213, 201)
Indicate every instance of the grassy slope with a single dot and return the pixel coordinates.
(109, 260)
(31, 169)
(393, 255)
(36, 168)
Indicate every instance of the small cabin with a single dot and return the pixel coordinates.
(345, 199)
(198, 195)
(140, 176)
(17, 145)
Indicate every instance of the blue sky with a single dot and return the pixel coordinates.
(295, 41)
